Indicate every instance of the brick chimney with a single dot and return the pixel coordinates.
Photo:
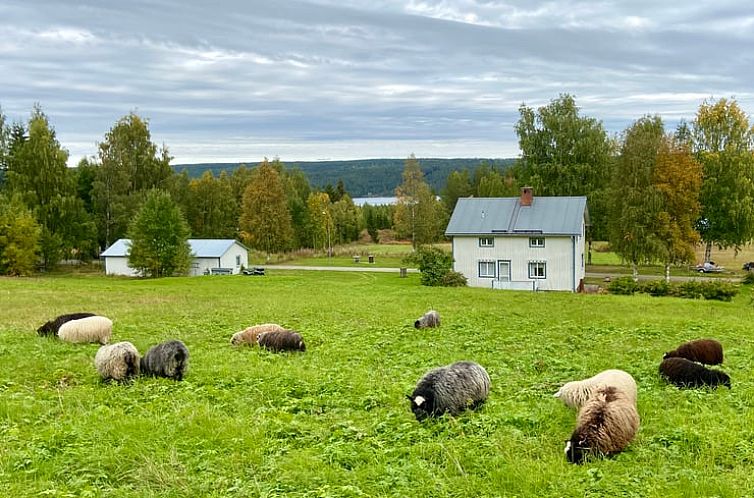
(527, 196)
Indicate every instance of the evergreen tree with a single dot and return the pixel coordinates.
(346, 218)
(457, 185)
(159, 238)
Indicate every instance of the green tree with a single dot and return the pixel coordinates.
(265, 220)
(19, 237)
(5, 139)
(212, 210)
(319, 220)
(565, 154)
(722, 139)
(346, 218)
(297, 191)
(457, 185)
(418, 215)
(159, 238)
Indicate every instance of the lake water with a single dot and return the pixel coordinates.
(374, 201)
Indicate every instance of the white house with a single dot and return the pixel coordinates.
(209, 254)
(524, 243)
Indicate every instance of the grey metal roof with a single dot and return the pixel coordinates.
(505, 215)
(201, 248)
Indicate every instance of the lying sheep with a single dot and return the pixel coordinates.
(52, 327)
(574, 394)
(685, 373)
(707, 351)
(281, 340)
(606, 423)
(89, 329)
(452, 388)
(118, 362)
(169, 359)
(428, 320)
(251, 334)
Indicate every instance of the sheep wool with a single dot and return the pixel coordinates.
(428, 320)
(250, 335)
(452, 389)
(606, 424)
(574, 394)
(169, 359)
(118, 362)
(685, 373)
(282, 340)
(707, 351)
(52, 327)
(89, 329)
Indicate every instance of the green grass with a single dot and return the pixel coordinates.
(334, 422)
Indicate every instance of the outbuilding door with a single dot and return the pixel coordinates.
(504, 270)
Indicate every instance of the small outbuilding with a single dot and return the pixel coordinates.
(520, 243)
(225, 256)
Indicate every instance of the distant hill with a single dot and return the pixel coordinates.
(362, 177)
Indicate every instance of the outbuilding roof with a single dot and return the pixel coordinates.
(506, 216)
(200, 248)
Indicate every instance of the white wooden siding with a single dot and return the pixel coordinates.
(229, 258)
(118, 265)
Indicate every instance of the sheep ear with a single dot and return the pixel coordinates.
(408, 397)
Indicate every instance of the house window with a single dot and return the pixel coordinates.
(536, 241)
(486, 242)
(238, 260)
(537, 269)
(486, 269)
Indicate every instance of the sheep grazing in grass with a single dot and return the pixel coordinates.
(251, 334)
(685, 373)
(118, 362)
(707, 351)
(574, 394)
(606, 423)
(452, 389)
(169, 359)
(52, 327)
(89, 329)
(428, 320)
(281, 340)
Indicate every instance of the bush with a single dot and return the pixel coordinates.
(655, 288)
(748, 278)
(454, 279)
(624, 286)
(435, 267)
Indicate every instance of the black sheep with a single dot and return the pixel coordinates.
(685, 373)
(707, 351)
(52, 327)
(169, 359)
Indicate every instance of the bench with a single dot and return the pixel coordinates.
(221, 271)
(257, 270)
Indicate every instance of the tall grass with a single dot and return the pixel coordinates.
(334, 422)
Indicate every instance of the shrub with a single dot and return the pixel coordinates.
(624, 286)
(748, 278)
(435, 265)
(719, 290)
(454, 279)
(655, 288)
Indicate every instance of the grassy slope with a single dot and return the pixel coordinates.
(334, 421)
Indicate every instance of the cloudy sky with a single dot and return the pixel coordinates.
(347, 79)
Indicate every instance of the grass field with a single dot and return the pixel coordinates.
(334, 421)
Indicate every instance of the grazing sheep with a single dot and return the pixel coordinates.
(89, 329)
(119, 361)
(281, 340)
(52, 327)
(606, 423)
(428, 320)
(452, 388)
(707, 351)
(169, 359)
(251, 334)
(685, 373)
(574, 394)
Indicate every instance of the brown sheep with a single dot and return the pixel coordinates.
(251, 334)
(282, 340)
(706, 351)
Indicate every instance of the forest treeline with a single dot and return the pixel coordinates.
(652, 193)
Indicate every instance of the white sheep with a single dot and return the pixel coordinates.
(119, 361)
(575, 394)
(250, 335)
(90, 329)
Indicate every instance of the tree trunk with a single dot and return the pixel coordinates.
(708, 251)
(589, 255)
(635, 272)
(667, 272)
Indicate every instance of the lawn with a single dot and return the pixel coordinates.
(334, 421)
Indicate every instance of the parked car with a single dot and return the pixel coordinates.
(709, 267)
(749, 266)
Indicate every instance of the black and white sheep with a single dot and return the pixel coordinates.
(574, 394)
(168, 359)
(452, 389)
(281, 340)
(52, 327)
(428, 320)
(118, 362)
(707, 351)
(89, 329)
(685, 373)
(606, 424)
(250, 335)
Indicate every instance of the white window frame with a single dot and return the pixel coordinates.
(486, 241)
(534, 266)
(486, 262)
(534, 242)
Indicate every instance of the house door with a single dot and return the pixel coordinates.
(504, 271)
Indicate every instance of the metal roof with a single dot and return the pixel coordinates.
(506, 216)
(200, 248)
